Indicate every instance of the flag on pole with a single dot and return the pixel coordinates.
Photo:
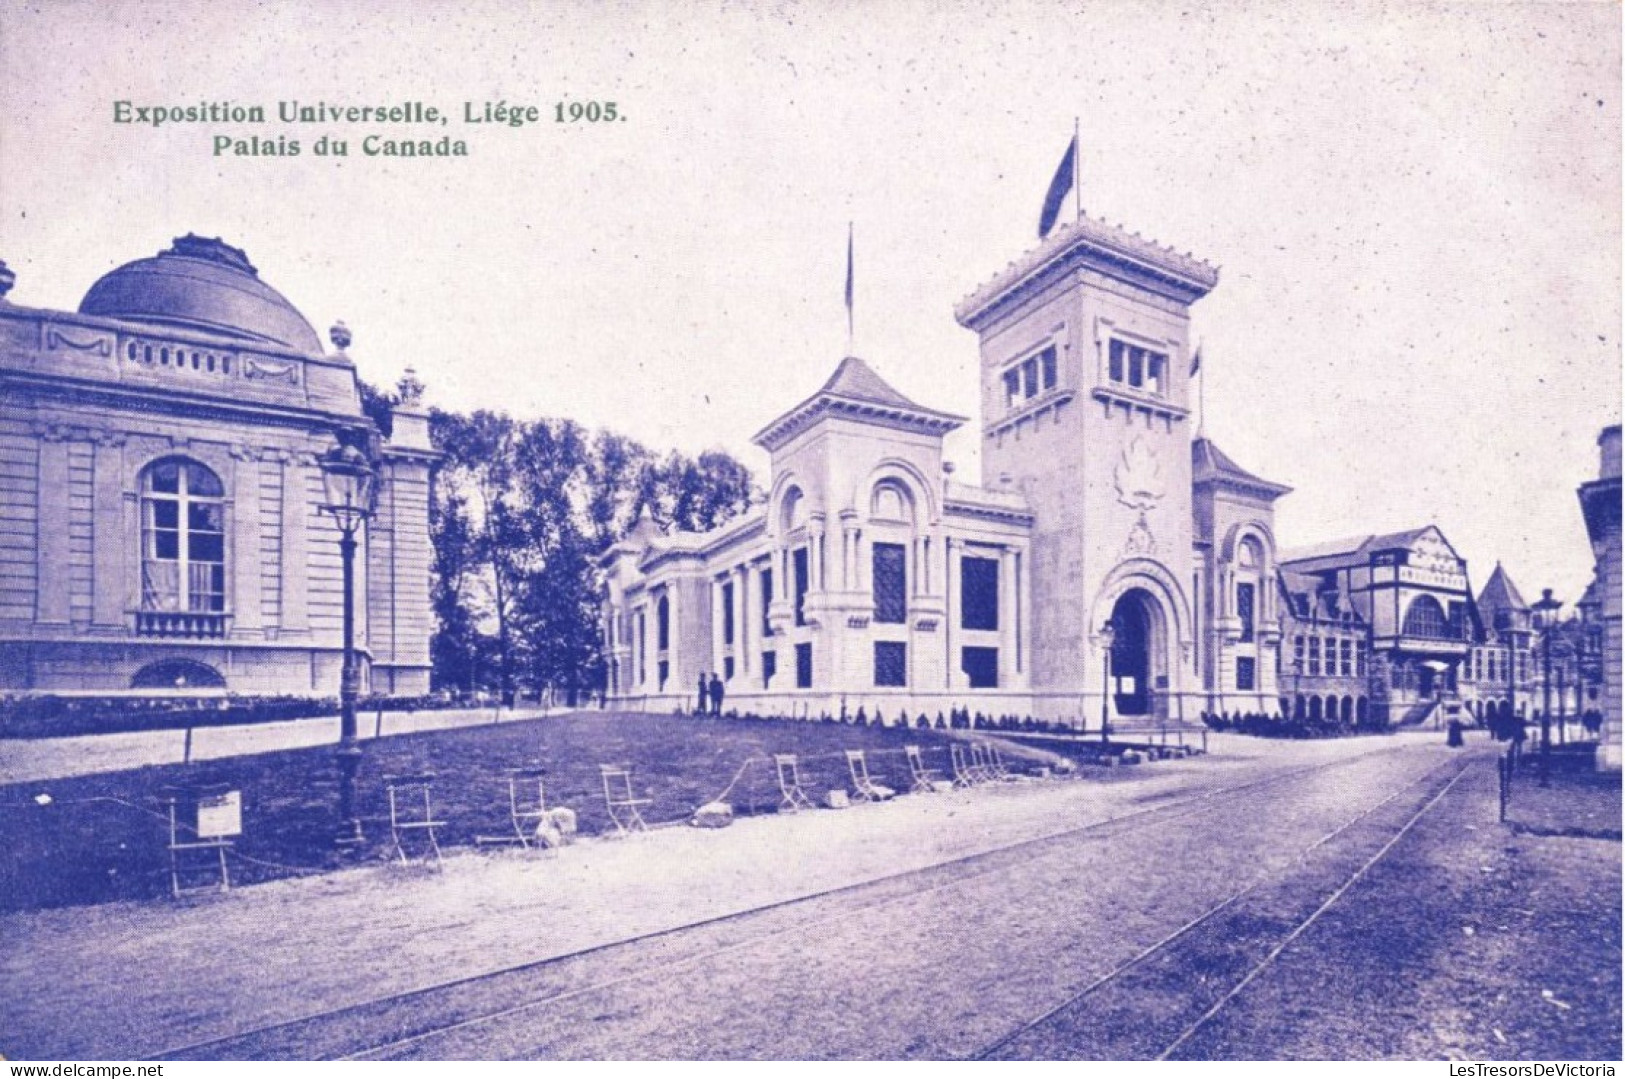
(1058, 188)
(1196, 359)
(849, 286)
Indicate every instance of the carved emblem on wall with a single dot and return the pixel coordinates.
(271, 372)
(1140, 486)
(1138, 476)
(94, 343)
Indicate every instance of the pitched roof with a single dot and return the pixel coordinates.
(854, 391)
(857, 380)
(1500, 593)
(1209, 464)
(1353, 545)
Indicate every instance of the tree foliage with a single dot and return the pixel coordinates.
(520, 513)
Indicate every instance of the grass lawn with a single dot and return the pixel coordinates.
(102, 837)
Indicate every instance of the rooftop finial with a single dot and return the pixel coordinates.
(410, 389)
(339, 334)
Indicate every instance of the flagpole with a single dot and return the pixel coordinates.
(1077, 185)
(849, 325)
(1201, 396)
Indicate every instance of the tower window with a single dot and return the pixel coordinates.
(1139, 368)
(1028, 378)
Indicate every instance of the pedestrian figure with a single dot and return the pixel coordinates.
(1453, 739)
(703, 696)
(717, 692)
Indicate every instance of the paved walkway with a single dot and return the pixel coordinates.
(33, 759)
(138, 979)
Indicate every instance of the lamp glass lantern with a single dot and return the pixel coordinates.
(351, 485)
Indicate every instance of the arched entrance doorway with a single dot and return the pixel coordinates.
(1133, 670)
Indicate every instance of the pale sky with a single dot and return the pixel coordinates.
(1416, 208)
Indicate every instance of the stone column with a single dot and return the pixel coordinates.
(111, 557)
(742, 628)
(243, 559)
(53, 558)
(295, 523)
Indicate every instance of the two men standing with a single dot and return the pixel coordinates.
(711, 693)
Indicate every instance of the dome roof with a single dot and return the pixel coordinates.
(201, 284)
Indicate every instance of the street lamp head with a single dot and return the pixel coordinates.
(1546, 606)
(351, 483)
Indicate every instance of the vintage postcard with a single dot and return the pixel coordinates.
(871, 530)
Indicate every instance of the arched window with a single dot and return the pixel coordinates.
(792, 511)
(892, 502)
(183, 538)
(177, 674)
(1426, 618)
(1249, 555)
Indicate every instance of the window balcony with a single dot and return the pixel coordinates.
(183, 625)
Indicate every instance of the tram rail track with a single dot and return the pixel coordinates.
(294, 1036)
(1301, 926)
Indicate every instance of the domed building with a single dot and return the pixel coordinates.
(160, 466)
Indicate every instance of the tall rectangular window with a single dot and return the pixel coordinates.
(1246, 672)
(1359, 662)
(1314, 656)
(1029, 378)
(1046, 361)
(981, 667)
(728, 614)
(643, 649)
(1012, 387)
(1114, 365)
(767, 602)
(891, 663)
(979, 593)
(804, 666)
(890, 582)
(1345, 653)
(770, 667)
(1244, 609)
(798, 560)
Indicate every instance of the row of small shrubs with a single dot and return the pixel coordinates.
(955, 719)
(1267, 726)
(57, 717)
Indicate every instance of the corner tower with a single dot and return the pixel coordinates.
(1085, 407)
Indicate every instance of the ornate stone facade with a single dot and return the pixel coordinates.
(158, 467)
(873, 579)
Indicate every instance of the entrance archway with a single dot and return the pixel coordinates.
(1134, 628)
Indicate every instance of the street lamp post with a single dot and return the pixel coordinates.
(1297, 677)
(1108, 635)
(350, 483)
(1547, 607)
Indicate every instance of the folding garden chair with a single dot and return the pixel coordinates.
(527, 807)
(923, 778)
(625, 809)
(867, 789)
(794, 797)
(411, 812)
(965, 771)
(993, 761)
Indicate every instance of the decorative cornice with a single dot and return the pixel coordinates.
(1085, 242)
